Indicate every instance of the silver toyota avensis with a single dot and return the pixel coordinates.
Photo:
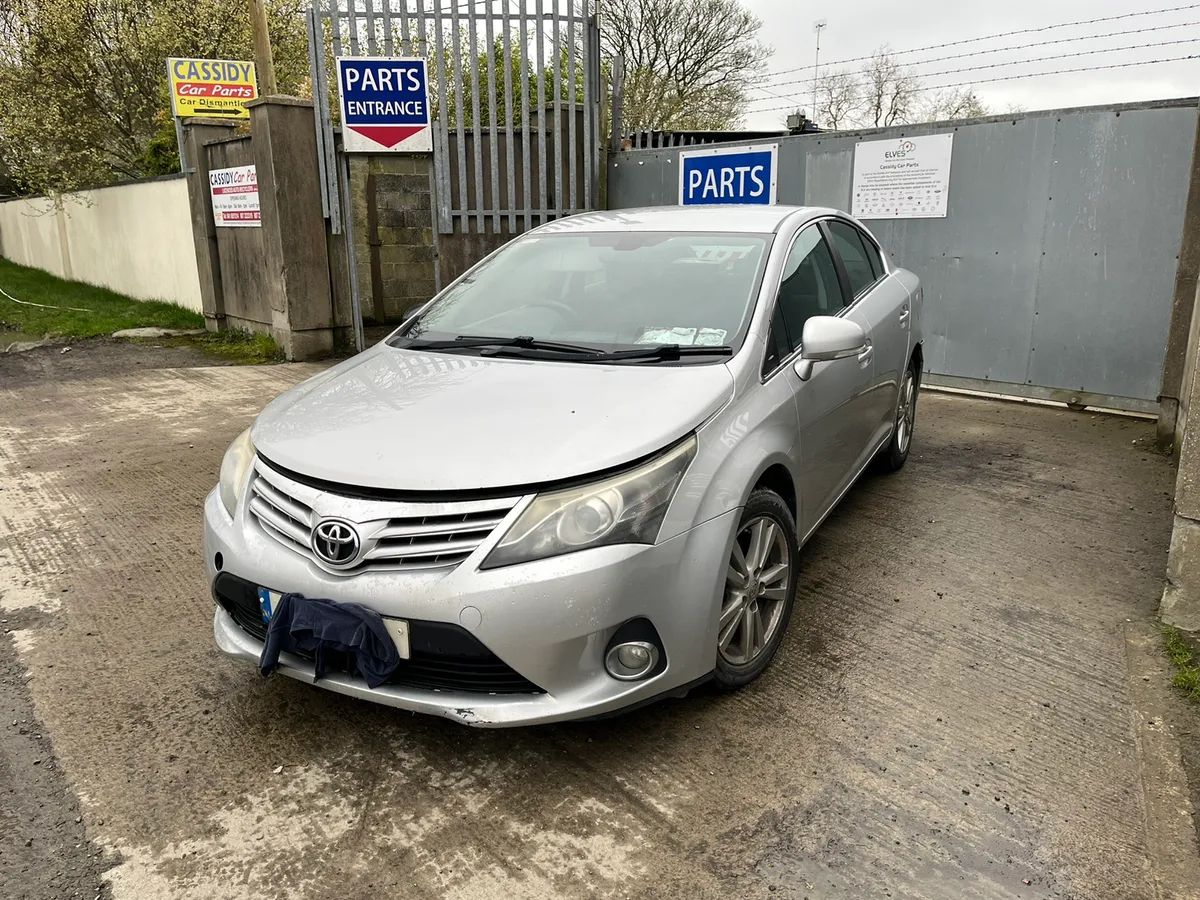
(577, 480)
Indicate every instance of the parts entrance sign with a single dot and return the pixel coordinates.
(385, 105)
(213, 88)
(733, 175)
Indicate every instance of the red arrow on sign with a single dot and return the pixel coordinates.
(387, 135)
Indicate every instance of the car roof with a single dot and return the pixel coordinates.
(723, 219)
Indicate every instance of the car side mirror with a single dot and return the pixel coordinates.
(412, 311)
(826, 338)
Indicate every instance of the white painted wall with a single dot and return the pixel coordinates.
(135, 239)
(29, 236)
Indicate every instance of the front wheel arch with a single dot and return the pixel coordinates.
(756, 597)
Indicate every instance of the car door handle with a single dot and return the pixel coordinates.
(866, 354)
(904, 316)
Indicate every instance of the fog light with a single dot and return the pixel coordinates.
(631, 661)
(633, 656)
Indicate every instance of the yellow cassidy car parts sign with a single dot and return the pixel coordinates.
(213, 88)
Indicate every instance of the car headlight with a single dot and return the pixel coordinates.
(624, 509)
(234, 467)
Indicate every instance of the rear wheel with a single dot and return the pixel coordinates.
(896, 451)
(760, 590)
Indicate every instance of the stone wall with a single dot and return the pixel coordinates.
(393, 233)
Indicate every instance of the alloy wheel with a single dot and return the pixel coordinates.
(906, 412)
(756, 585)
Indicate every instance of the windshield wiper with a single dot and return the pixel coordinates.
(663, 353)
(654, 354)
(522, 342)
(527, 347)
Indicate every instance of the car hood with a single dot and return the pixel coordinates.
(420, 421)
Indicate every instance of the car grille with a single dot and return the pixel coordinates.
(445, 657)
(396, 536)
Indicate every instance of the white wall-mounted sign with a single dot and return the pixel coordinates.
(235, 197)
(903, 178)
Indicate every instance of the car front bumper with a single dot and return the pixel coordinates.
(550, 621)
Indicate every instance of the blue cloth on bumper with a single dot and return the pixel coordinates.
(312, 626)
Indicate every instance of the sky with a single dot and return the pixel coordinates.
(855, 28)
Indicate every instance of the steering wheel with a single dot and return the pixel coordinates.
(559, 307)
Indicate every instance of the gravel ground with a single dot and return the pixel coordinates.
(95, 358)
(968, 704)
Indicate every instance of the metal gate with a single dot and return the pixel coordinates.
(515, 90)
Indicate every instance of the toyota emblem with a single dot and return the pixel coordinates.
(335, 542)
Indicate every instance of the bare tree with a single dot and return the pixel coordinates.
(891, 90)
(884, 93)
(951, 103)
(839, 98)
(688, 63)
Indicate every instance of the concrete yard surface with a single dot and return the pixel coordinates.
(971, 701)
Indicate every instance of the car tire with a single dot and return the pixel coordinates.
(896, 452)
(757, 600)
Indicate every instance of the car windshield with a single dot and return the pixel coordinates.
(607, 291)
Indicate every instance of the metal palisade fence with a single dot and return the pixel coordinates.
(514, 92)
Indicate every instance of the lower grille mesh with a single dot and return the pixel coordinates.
(444, 657)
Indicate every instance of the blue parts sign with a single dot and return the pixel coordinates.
(385, 104)
(728, 175)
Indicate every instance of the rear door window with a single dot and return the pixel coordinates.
(862, 269)
(873, 255)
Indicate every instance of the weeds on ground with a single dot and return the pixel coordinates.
(75, 310)
(238, 346)
(1181, 654)
(36, 304)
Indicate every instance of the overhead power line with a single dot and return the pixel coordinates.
(1068, 40)
(1021, 62)
(1148, 62)
(1005, 34)
(790, 97)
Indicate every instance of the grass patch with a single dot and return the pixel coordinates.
(105, 311)
(242, 347)
(1181, 654)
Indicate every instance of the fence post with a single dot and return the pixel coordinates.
(264, 62)
(618, 89)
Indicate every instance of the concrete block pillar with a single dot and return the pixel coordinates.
(1180, 351)
(1181, 598)
(197, 133)
(392, 203)
(296, 257)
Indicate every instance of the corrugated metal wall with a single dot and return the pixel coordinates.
(1054, 268)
